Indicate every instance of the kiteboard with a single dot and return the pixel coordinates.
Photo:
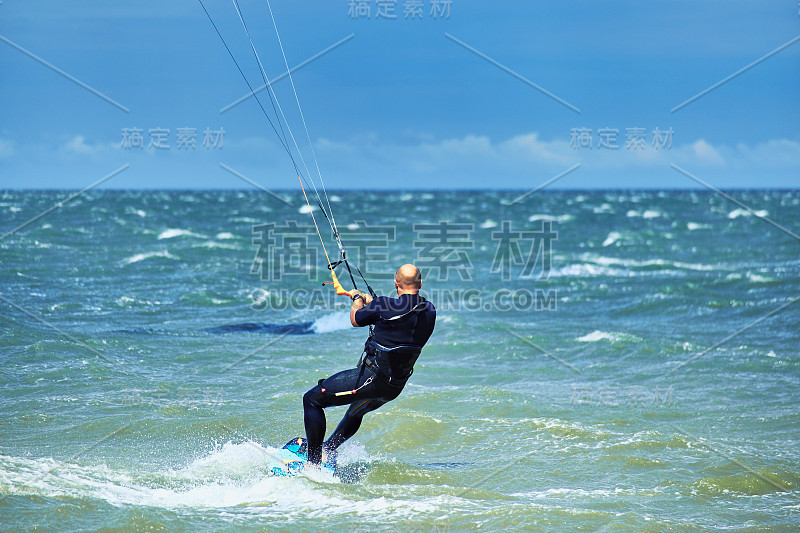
(292, 459)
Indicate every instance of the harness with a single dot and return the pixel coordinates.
(395, 364)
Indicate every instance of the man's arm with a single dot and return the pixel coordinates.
(359, 301)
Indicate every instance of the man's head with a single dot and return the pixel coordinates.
(408, 279)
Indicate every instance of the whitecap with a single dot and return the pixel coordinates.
(652, 213)
(736, 213)
(692, 226)
(635, 263)
(758, 278)
(225, 235)
(134, 211)
(605, 208)
(219, 245)
(613, 237)
(332, 322)
(588, 270)
(488, 223)
(551, 218)
(613, 336)
(148, 255)
(306, 209)
(173, 232)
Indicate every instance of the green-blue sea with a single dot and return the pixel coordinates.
(602, 361)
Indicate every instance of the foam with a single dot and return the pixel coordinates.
(693, 226)
(176, 232)
(147, 255)
(551, 218)
(612, 336)
(232, 475)
(613, 237)
(635, 263)
(332, 322)
(736, 213)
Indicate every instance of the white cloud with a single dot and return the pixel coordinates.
(6, 148)
(705, 153)
(480, 161)
(78, 145)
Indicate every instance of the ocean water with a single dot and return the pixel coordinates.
(602, 361)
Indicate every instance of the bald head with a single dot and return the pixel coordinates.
(408, 278)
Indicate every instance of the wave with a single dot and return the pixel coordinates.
(596, 265)
(736, 213)
(560, 219)
(754, 482)
(612, 238)
(147, 255)
(298, 328)
(332, 322)
(646, 214)
(598, 335)
(234, 474)
(645, 264)
(219, 245)
(172, 233)
(325, 324)
(693, 226)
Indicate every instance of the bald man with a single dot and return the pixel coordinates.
(399, 328)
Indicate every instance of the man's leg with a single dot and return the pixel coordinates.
(351, 422)
(314, 403)
(324, 395)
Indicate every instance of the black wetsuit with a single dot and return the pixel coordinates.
(402, 326)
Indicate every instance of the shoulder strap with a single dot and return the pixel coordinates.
(413, 309)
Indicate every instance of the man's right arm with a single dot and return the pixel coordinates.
(359, 304)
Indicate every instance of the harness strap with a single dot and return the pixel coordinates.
(345, 393)
(385, 377)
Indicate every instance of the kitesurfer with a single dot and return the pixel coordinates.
(399, 328)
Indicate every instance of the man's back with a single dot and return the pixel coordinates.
(407, 320)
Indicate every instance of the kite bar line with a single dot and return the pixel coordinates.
(280, 133)
(336, 284)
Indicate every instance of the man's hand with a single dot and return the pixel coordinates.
(359, 301)
(366, 298)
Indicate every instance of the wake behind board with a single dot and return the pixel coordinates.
(291, 460)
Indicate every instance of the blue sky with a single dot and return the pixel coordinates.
(400, 105)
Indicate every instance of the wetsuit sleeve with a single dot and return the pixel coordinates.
(369, 314)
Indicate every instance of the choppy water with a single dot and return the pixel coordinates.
(661, 392)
